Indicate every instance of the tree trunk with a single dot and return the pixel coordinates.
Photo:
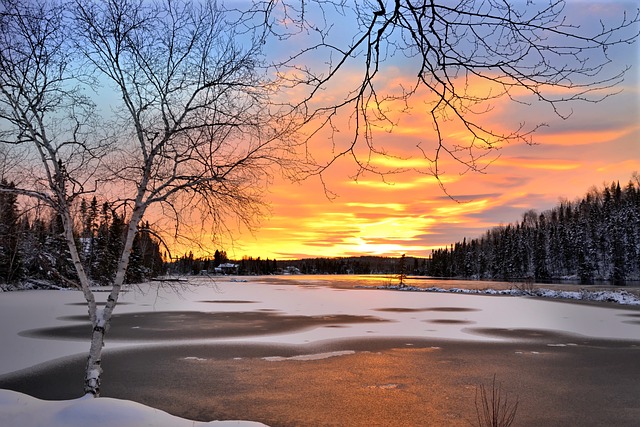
(93, 370)
(102, 318)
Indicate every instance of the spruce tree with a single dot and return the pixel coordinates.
(11, 269)
(135, 270)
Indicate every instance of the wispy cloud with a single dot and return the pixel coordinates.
(409, 213)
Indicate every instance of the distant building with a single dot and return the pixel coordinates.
(291, 270)
(227, 268)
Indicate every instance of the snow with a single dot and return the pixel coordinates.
(17, 409)
(439, 314)
(100, 318)
(619, 297)
(419, 314)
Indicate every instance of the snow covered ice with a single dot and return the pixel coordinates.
(440, 315)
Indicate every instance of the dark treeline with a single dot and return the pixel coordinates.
(361, 265)
(592, 239)
(187, 264)
(221, 264)
(32, 245)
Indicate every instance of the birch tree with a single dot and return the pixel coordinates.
(185, 121)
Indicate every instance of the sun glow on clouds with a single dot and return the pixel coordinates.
(534, 163)
(408, 212)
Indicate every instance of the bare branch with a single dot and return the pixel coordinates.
(465, 56)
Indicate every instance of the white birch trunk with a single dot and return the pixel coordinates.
(102, 318)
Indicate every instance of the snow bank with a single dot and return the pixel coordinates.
(17, 409)
(619, 297)
(30, 284)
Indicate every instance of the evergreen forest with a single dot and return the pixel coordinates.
(596, 238)
(33, 249)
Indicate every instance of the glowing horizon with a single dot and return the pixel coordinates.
(409, 213)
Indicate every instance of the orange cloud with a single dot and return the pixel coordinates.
(534, 163)
(588, 137)
(408, 212)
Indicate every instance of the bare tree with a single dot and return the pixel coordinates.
(43, 114)
(193, 126)
(464, 56)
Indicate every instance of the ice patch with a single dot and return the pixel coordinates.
(384, 386)
(307, 357)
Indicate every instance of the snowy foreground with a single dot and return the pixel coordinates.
(17, 409)
(440, 313)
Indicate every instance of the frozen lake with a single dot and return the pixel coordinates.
(315, 351)
(45, 325)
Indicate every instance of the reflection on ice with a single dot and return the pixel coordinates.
(307, 357)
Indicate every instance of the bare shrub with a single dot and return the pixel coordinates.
(527, 287)
(493, 407)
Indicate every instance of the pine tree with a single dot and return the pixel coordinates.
(115, 244)
(11, 269)
(146, 260)
(32, 246)
(151, 255)
(541, 273)
(219, 257)
(88, 234)
(56, 258)
(108, 245)
(135, 270)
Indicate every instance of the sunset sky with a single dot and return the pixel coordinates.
(410, 214)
